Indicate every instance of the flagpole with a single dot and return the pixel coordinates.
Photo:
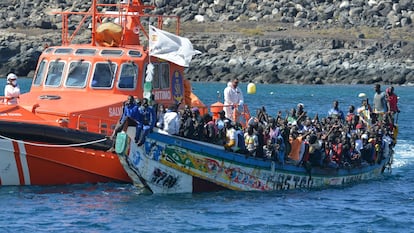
(149, 73)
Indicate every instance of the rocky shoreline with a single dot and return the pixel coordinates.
(294, 42)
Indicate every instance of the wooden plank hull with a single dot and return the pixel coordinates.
(170, 164)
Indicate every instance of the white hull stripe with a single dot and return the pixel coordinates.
(25, 166)
(10, 167)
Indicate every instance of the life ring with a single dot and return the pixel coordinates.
(49, 97)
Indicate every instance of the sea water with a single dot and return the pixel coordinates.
(382, 205)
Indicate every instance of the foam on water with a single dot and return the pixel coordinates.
(404, 153)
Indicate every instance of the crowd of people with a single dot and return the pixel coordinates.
(361, 136)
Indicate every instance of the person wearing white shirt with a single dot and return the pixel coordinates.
(233, 97)
(172, 121)
(11, 90)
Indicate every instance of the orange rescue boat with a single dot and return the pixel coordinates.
(58, 132)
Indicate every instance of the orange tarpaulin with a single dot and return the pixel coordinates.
(109, 34)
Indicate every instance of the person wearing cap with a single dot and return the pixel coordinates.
(233, 97)
(11, 90)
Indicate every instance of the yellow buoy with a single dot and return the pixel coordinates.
(251, 88)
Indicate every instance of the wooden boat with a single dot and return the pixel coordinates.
(173, 164)
(58, 132)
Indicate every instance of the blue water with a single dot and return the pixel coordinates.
(383, 205)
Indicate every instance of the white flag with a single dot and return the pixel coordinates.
(170, 47)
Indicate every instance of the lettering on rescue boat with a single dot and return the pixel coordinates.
(162, 95)
(12, 114)
(115, 111)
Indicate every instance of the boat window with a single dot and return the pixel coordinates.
(78, 73)
(104, 74)
(104, 128)
(161, 79)
(54, 73)
(85, 52)
(134, 53)
(63, 51)
(128, 76)
(40, 73)
(48, 50)
(111, 52)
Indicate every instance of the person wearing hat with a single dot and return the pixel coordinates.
(11, 90)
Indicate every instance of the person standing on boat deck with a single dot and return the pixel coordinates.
(380, 103)
(145, 121)
(233, 98)
(172, 120)
(335, 112)
(392, 101)
(11, 90)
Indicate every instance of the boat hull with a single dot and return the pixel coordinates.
(169, 164)
(33, 154)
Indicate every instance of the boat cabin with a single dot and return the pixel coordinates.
(84, 86)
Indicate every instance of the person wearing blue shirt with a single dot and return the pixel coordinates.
(129, 111)
(146, 119)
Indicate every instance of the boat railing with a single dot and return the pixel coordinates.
(99, 14)
(94, 124)
(242, 116)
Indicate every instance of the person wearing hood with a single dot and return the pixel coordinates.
(11, 90)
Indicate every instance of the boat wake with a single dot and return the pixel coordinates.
(404, 154)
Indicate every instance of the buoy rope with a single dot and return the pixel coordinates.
(54, 145)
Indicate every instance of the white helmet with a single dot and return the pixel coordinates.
(11, 76)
